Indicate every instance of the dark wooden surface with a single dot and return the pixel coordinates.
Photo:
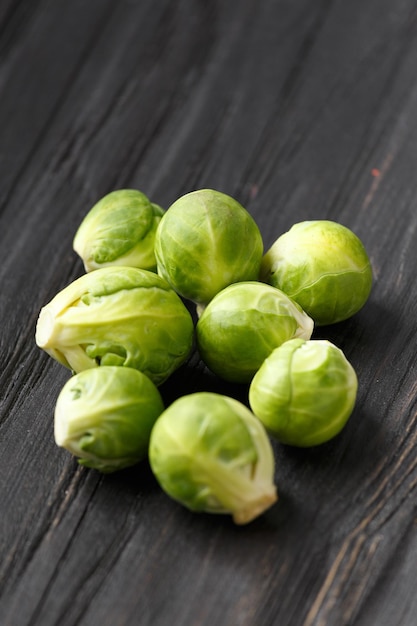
(300, 110)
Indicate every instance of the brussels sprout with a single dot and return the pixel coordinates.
(105, 416)
(205, 241)
(117, 316)
(241, 326)
(304, 392)
(210, 453)
(323, 266)
(119, 230)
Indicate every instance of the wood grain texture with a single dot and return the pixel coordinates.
(300, 110)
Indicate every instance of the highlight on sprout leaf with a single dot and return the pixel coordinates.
(211, 454)
(304, 392)
(323, 266)
(117, 316)
(104, 417)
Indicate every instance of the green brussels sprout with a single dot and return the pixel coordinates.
(119, 230)
(304, 392)
(211, 454)
(241, 326)
(117, 316)
(205, 241)
(105, 416)
(323, 266)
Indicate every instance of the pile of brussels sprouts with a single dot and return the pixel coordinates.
(123, 328)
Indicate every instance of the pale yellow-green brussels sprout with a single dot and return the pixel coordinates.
(304, 392)
(211, 454)
(119, 230)
(323, 266)
(117, 316)
(104, 417)
(241, 326)
(205, 241)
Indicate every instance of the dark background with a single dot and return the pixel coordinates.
(300, 110)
